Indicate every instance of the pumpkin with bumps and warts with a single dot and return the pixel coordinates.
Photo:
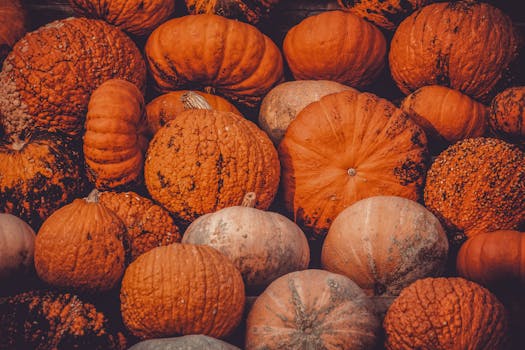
(251, 11)
(507, 115)
(17, 245)
(12, 12)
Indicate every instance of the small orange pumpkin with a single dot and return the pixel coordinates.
(507, 115)
(12, 12)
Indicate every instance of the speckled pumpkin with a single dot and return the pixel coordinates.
(446, 314)
(235, 60)
(17, 245)
(312, 309)
(80, 247)
(137, 17)
(47, 79)
(187, 342)
(182, 289)
(115, 137)
(251, 11)
(44, 320)
(39, 173)
(507, 115)
(13, 27)
(465, 45)
(346, 147)
(147, 225)
(477, 185)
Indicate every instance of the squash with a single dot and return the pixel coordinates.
(12, 12)
(17, 245)
(250, 11)
(507, 115)
(187, 342)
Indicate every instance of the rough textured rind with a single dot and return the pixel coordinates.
(344, 148)
(137, 17)
(43, 320)
(312, 309)
(235, 60)
(12, 12)
(507, 115)
(47, 79)
(251, 11)
(446, 314)
(477, 185)
(187, 342)
(465, 45)
(182, 289)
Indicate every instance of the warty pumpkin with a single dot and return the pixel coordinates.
(230, 58)
(187, 342)
(115, 135)
(346, 147)
(335, 45)
(507, 115)
(446, 314)
(251, 11)
(182, 289)
(49, 76)
(13, 27)
(17, 246)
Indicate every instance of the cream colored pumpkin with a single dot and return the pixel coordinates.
(17, 243)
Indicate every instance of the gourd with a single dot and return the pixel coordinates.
(507, 115)
(251, 11)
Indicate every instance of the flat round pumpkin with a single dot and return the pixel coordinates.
(251, 11)
(12, 12)
(507, 115)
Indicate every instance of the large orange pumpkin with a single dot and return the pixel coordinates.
(507, 115)
(13, 25)
(346, 147)
(251, 11)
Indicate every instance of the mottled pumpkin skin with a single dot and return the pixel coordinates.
(464, 45)
(182, 289)
(507, 115)
(251, 11)
(38, 175)
(344, 148)
(312, 309)
(187, 342)
(477, 185)
(137, 17)
(13, 27)
(43, 320)
(115, 135)
(204, 160)
(446, 314)
(235, 60)
(147, 225)
(17, 246)
(47, 79)
(337, 46)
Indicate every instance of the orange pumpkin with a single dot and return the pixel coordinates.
(17, 245)
(251, 11)
(13, 27)
(507, 115)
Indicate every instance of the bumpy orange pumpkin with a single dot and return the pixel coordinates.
(465, 45)
(235, 59)
(251, 11)
(17, 245)
(13, 25)
(115, 140)
(507, 115)
(47, 79)
(346, 147)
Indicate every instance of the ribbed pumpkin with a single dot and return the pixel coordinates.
(282, 104)
(446, 115)
(312, 309)
(235, 60)
(167, 106)
(137, 17)
(465, 45)
(147, 225)
(115, 137)
(338, 46)
(478, 185)
(187, 342)
(182, 289)
(47, 79)
(12, 12)
(384, 243)
(446, 314)
(346, 147)
(17, 245)
(80, 247)
(251, 11)
(262, 245)
(39, 174)
(507, 115)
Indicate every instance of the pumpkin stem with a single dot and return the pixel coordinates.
(192, 100)
(18, 142)
(93, 196)
(351, 172)
(249, 200)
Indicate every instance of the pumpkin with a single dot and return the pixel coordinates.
(49, 76)
(346, 147)
(464, 45)
(251, 11)
(39, 174)
(12, 12)
(335, 45)
(262, 245)
(446, 115)
(80, 247)
(182, 289)
(167, 106)
(385, 14)
(49, 320)
(235, 60)
(384, 243)
(477, 185)
(187, 342)
(282, 104)
(445, 314)
(312, 309)
(137, 17)
(507, 115)
(17, 245)
(115, 140)
(147, 225)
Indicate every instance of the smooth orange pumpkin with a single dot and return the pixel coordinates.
(13, 27)
(507, 115)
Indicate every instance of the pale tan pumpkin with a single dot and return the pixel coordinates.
(17, 245)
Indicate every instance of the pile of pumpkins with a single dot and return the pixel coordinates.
(209, 201)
